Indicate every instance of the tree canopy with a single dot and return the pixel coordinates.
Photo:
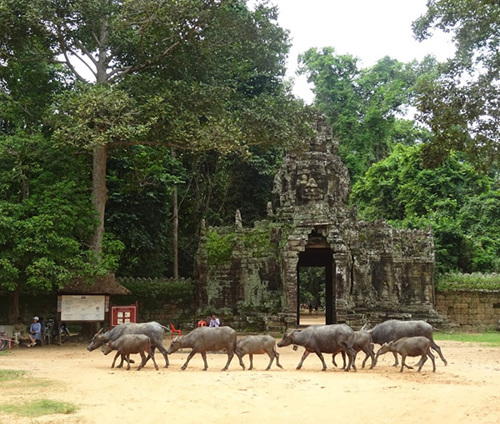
(190, 74)
(460, 102)
(459, 204)
(117, 87)
(366, 107)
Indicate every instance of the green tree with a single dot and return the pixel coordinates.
(127, 46)
(404, 191)
(46, 218)
(460, 103)
(480, 220)
(365, 107)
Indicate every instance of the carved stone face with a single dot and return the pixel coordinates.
(309, 188)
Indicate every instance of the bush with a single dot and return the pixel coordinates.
(475, 281)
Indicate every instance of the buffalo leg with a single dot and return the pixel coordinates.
(433, 361)
(229, 359)
(396, 362)
(204, 356)
(240, 357)
(304, 356)
(335, 354)
(438, 350)
(369, 354)
(320, 356)
(123, 359)
(422, 362)
(403, 364)
(151, 354)
(144, 360)
(250, 355)
(127, 358)
(163, 351)
(423, 359)
(114, 360)
(154, 361)
(152, 350)
(351, 355)
(191, 354)
(271, 360)
(277, 355)
(403, 359)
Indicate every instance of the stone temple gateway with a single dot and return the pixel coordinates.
(371, 270)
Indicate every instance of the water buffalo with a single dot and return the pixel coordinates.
(330, 338)
(362, 341)
(410, 346)
(206, 339)
(255, 345)
(393, 330)
(151, 329)
(127, 344)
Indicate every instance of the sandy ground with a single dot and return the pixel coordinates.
(467, 389)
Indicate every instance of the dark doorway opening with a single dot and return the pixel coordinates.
(315, 287)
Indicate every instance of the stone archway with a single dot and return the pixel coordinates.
(319, 257)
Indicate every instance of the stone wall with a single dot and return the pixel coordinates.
(470, 309)
(248, 279)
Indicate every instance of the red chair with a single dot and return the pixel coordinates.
(174, 331)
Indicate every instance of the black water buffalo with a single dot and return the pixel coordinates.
(362, 341)
(127, 344)
(393, 330)
(321, 339)
(151, 329)
(410, 346)
(206, 339)
(255, 345)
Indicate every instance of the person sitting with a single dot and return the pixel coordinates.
(214, 321)
(35, 333)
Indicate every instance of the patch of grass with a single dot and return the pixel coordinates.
(40, 407)
(491, 339)
(6, 375)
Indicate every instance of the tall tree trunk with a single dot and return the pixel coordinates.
(176, 235)
(99, 194)
(175, 229)
(14, 310)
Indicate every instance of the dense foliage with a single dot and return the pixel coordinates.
(460, 102)
(46, 216)
(458, 203)
(366, 107)
(189, 97)
(474, 281)
(184, 96)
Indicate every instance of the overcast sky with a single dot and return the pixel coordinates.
(367, 29)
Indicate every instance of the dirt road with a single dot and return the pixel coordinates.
(467, 389)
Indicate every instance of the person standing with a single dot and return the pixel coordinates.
(35, 332)
(214, 321)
